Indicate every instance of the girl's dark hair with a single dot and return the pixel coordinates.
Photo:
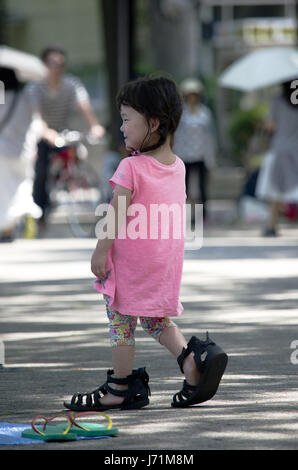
(9, 78)
(154, 98)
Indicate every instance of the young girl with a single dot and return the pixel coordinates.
(140, 276)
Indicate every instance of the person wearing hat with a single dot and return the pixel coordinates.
(194, 139)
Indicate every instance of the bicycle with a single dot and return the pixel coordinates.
(73, 184)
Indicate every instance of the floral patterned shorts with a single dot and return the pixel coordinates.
(122, 327)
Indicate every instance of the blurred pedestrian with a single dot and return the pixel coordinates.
(20, 130)
(57, 97)
(278, 178)
(195, 140)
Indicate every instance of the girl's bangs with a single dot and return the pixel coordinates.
(130, 95)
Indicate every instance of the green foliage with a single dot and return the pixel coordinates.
(243, 125)
(210, 86)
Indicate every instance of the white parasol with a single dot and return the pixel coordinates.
(26, 66)
(261, 68)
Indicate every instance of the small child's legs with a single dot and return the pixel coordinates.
(122, 327)
(122, 337)
(173, 339)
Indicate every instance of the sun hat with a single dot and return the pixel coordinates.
(191, 85)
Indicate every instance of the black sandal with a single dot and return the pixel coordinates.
(135, 397)
(211, 362)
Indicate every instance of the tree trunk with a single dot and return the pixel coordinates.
(175, 36)
(118, 35)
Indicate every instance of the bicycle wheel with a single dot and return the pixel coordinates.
(84, 195)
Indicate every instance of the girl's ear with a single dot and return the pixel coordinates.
(154, 124)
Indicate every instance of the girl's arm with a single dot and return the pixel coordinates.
(116, 216)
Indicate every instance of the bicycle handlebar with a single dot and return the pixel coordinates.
(68, 137)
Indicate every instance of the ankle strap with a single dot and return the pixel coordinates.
(113, 391)
(116, 380)
(184, 353)
(196, 346)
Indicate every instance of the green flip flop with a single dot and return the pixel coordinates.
(52, 432)
(69, 431)
(91, 429)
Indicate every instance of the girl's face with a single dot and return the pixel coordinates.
(134, 127)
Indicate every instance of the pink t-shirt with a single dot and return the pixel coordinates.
(144, 264)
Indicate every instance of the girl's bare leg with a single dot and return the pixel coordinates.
(122, 360)
(174, 341)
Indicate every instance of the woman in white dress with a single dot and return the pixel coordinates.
(278, 179)
(20, 128)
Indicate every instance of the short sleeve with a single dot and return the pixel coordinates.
(123, 175)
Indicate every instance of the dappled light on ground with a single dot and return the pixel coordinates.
(242, 291)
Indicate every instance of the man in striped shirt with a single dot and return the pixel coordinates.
(56, 98)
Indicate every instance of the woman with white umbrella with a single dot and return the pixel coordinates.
(278, 178)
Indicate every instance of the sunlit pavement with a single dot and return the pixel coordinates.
(240, 287)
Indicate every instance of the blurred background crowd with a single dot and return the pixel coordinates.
(62, 62)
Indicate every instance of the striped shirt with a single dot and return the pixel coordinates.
(56, 106)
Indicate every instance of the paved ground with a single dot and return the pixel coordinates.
(240, 287)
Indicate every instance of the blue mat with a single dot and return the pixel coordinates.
(11, 434)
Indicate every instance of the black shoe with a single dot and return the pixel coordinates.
(135, 396)
(211, 362)
(270, 232)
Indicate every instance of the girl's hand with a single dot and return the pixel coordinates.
(98, 264)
